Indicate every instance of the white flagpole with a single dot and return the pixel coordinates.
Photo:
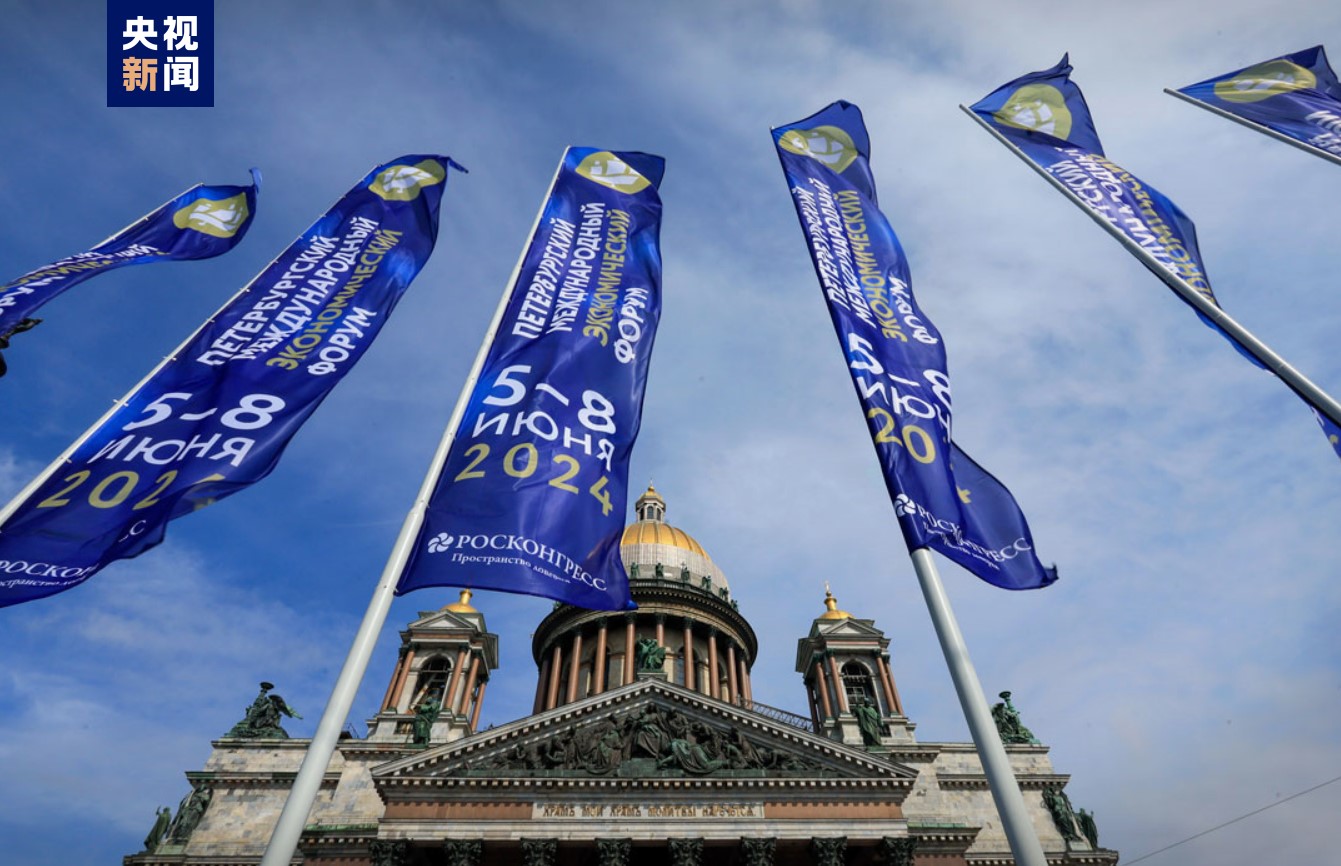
(1024, 844)
(1298, 382)
(1304, 146)
(284, 840)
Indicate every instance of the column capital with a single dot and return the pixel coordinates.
(828, 850)
(614, 852)
(463, 852)
(898, 850)
(388, 852)
(758, 851)
(686, 852)
(540, 852)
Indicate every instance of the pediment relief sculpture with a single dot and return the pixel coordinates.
(650, 740)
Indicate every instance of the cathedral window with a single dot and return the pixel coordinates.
(432, 681)
(857, 685)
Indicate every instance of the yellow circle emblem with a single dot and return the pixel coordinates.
(1264, 81)
(220, 219)
(609, 170)
(827, 144)
(1038, 107)
(403, 182)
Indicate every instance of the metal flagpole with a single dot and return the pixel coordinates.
(1297, 382)
(1024, 844)
(284, 840)
(1316, 151)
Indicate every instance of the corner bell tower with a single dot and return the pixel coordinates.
(445, 655)
(844, 662)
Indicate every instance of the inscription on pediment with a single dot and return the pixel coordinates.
(649, 811)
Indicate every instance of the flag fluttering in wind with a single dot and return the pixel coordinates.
(1044, 119)
(896, 357)
(216, 416)
(532, 496)
(203, 222)
(1296, 97)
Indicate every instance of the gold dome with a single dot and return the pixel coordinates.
(658, 532)
(831, 604)
(651, 541)
(462, 605)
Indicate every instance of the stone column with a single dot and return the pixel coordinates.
(470, 684)
(449, 699)
(758, 851)
(540, 687)
(479, 702)
(540, 852)
(822, 687)
(556, 665)
(887, 682)
(686, 852)
(828, 850)
(661, 629)
(714, 680)
(838, 685)
(598, 663)
(574, 667)
(814, 710)
(626, 669)
(397, 679)
(731, 683)
(688, 659)
(463, 852)
(745, 679)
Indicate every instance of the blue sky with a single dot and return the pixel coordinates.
(1185, 668)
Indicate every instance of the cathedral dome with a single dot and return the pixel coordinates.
(683, 606)
(651, 541)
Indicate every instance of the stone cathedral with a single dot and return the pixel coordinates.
(645, 747)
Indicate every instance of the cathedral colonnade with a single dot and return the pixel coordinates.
(675, 851)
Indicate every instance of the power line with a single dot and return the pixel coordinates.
(1233, 821)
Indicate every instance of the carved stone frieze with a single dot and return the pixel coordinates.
(651, 740)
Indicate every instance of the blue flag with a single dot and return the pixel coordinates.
(218, 415)
(1330, 430)
(943, 499)
(532, 496)
(203, 222)
(1296, 95)
(1045, 116)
